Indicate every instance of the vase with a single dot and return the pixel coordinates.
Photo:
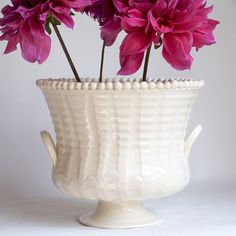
(120, 142)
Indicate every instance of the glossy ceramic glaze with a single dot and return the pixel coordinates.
(120, 142)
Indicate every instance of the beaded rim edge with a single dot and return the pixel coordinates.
(119, 84)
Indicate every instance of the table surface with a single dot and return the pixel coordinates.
(201, 209)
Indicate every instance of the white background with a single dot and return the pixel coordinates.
(29, 202)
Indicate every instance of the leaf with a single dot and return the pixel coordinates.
(51, 20)
(72, 13)
(47, 26)
(55, 21)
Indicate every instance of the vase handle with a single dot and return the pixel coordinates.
(49, 144)
(191, 139)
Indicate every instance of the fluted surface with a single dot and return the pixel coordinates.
(120, 144)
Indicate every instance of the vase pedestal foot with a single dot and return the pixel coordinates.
(118, 215)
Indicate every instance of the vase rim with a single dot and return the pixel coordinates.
(120, 84)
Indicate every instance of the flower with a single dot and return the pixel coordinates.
(24, 22)
(105, 12)
(181, 24)
(110, 30)
(100, 10)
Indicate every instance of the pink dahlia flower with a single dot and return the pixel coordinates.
(105, 12)
(182, 24)
(24, 22)
(110, 30)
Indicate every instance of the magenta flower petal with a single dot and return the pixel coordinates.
(101, 10)
(130, 64)
(65, 19)
(208, 26)
(12, 44)
(35, 44)
(144, 5)
(160, 25)
(110, 30)
(5, 10)
(201, 39)
(122, 6)
(76, 4)
(132, 51)
(134, 21)
(203, 34)
(176, 50)
(160, 7)
(135, 42)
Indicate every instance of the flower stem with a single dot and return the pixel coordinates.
(66, 51)
(102, 62)
(145, 69)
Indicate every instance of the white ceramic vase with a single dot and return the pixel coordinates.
(120, 142)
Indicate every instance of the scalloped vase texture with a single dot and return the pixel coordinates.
(120, 142)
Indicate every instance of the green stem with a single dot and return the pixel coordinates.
(66, 51)
(102, 62)
(145, 69)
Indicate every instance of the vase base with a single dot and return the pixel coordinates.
(119, 215)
